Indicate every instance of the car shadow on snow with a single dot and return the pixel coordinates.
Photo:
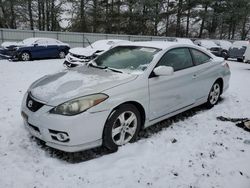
(86, 155)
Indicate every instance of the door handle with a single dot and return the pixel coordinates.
(194, 76)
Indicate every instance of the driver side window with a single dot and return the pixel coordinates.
(179, 58)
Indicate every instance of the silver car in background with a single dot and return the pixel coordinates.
(78, 56)
(128, 88)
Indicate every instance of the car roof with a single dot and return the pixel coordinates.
(154, 44)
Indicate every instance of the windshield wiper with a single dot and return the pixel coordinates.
(112, 69)
(104, 67)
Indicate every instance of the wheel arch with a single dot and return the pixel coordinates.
(138, 106)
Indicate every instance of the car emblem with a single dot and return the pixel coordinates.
(30, 103)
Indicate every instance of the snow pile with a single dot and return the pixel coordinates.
(190, 150)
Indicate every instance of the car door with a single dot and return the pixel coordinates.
(205, 73)
(40, 49)
(52, 48)
(170, 93)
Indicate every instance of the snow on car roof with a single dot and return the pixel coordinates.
(34, 39)
(153, 44)
(206, 43)
(223, 44)
(240, 43)
(105, 44)
(184, 41)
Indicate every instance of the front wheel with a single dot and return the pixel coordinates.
(121, 127)
(25, 56)
(214, 95)
(62, 54)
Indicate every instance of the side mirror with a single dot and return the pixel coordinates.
(35, 44)
(164, 71)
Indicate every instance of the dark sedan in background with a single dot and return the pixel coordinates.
(34, 48)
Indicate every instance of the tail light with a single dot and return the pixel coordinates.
(226, 65)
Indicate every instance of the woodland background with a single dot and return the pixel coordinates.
(222, 19)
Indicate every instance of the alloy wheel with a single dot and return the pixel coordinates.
(25, 56)
(61, 54)
(124, 128)
(214, 94)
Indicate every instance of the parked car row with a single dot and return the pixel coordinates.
(40, 48)
(239, 50)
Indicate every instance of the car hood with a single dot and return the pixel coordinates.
(83, 51)
(69, 84)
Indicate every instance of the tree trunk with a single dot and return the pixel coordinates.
(13, 16)
(39, 15)
(43, 15)
(178, 23)
(243, 31)
(47, 15)
(203, 21)
(167, 19)
(94, 22)
(30, 15)
(188, 18)
(52, 16)
(156, 19)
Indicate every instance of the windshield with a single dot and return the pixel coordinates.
(130, 58)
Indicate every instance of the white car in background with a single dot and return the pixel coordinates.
(130, 87)
(246, 56)
(237, 50)
(209, 45)
(78, 56)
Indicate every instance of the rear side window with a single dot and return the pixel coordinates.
(179, 58)
(199, 57)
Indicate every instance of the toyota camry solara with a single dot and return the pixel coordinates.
(128, 88)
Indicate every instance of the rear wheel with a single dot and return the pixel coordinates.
(121, 127)
(214, 95)
(25, 56)
(224, 54)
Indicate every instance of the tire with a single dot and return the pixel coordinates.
(25, 56)
(239, 59)
(224, 54)
(121, 127)
(62, 54)
(214, 95)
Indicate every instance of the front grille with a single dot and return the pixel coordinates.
(32, 104)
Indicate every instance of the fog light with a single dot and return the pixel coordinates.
(59, 136)
(62, 137)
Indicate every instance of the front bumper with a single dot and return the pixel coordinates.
(66, 133)
(76, 61)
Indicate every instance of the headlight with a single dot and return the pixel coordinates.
(79, 105)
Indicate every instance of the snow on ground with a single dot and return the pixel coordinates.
(196, 150)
